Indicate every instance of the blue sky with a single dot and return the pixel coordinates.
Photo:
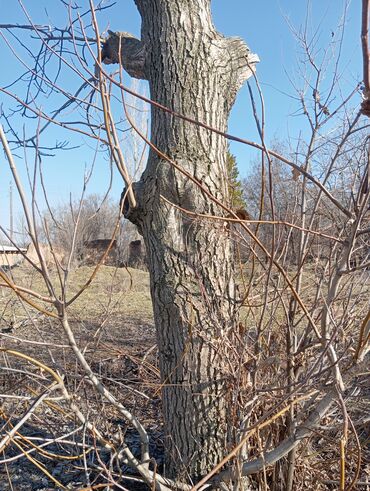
(266, 26)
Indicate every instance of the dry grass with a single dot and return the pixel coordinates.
(113, 325)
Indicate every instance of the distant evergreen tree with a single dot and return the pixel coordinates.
(235, 185)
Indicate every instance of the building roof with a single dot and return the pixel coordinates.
(7, 249)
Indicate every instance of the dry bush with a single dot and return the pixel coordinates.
(80, 383)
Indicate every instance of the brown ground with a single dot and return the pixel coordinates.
(113, 324)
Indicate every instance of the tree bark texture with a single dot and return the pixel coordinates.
(195, 71)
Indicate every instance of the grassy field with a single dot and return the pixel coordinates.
(113, 326)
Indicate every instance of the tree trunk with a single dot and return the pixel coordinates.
(195, 71)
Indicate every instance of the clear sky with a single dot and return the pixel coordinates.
(267, 27)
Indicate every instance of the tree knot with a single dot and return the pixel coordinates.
(124, 48)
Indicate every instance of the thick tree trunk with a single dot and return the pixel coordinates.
(195, 71)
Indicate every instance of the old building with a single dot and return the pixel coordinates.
(11, 256)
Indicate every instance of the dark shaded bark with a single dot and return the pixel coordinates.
(193, 70)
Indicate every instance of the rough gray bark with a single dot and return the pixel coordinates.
(193, 70)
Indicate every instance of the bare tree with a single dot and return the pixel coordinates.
(94, 217)
(190, 262)
(250, 362)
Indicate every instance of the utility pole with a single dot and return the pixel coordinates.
(11, 211)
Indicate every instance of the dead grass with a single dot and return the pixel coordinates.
(113, 325)
(119, 290)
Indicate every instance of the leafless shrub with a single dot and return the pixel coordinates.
(293, 367)
(73, 226)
